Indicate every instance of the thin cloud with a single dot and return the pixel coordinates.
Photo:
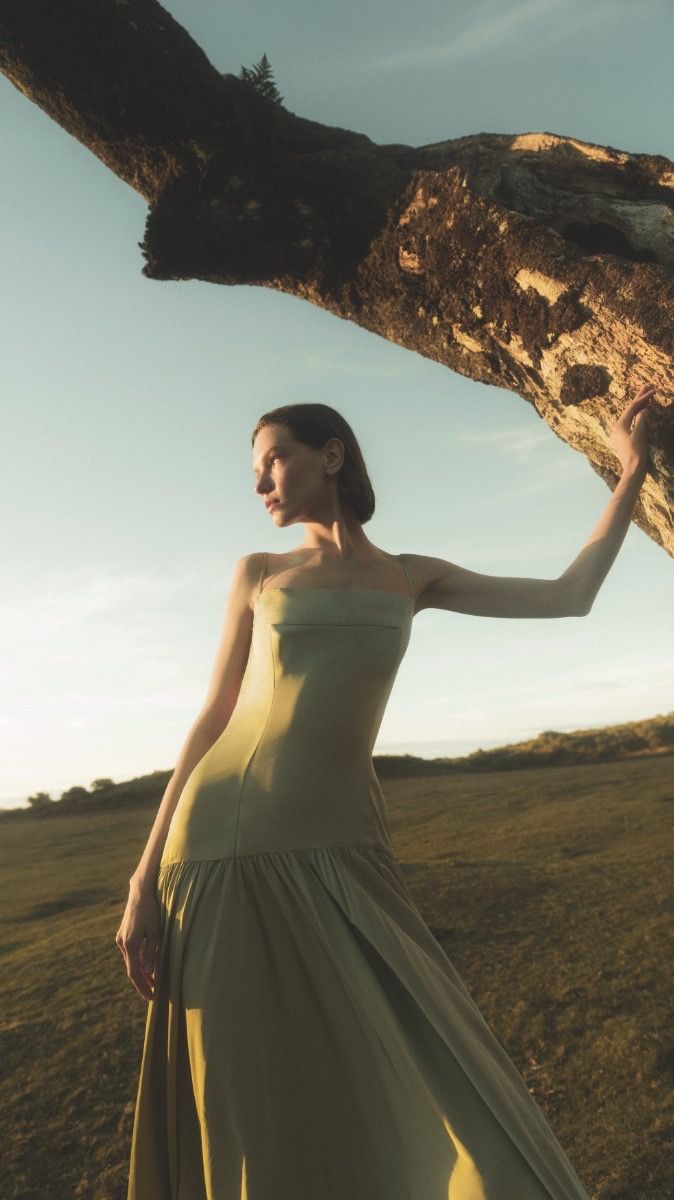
(99, 704)
(606, 15)
(555, 474)
(652, 671)
(483, 34)
(323, 361)
(530, 25)
(523, 445)
(602, 685)
(67, 603)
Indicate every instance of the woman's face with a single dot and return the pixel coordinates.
(290, 473)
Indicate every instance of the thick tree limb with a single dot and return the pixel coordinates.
(534, 262)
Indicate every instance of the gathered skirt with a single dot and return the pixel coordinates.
(309, 1039)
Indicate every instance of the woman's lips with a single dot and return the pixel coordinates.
(273, 504)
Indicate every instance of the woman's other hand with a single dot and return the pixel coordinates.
(138, 940)
(629, 438)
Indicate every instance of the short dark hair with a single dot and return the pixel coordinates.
(314, 424)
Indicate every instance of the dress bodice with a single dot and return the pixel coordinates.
(293, 767)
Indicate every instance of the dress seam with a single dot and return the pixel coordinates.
(255, 748)
(338, 624)
(281, 850)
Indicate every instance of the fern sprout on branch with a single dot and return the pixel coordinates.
(261, 77)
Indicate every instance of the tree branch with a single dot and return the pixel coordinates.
(538, 263)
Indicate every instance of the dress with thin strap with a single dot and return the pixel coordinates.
(308, 1038)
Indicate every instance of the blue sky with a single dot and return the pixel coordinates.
(127, 485)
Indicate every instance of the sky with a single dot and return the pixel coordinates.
(128, 406)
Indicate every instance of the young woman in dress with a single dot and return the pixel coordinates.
(306, 1035)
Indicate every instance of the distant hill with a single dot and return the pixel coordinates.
(652, 735)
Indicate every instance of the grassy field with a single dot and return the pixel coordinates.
(549, 888)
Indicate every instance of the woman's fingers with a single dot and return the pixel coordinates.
(642, 396)
(644, 393)
(140, 976)
(138, 939)
(628, 436)
(149, 963)
(636, 406)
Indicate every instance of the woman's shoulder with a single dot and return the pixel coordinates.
(251, 562)
(424, 569)
(256, 565)
(251, 568)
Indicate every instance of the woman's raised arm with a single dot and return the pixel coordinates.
(443, 584)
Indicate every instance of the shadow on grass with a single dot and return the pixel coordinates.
(81, 898)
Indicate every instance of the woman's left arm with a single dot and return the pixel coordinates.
(446, 585)
(628, 438)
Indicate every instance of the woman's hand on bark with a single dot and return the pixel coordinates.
(628, 437)
(138, 940)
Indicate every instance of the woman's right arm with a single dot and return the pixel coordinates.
(140, 921)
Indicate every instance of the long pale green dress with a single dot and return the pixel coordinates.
(308, 1038)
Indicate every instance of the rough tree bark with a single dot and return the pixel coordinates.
(535, 262)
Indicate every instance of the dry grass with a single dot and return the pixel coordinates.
(550, 890)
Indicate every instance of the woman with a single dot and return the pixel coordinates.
(307, 1038)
